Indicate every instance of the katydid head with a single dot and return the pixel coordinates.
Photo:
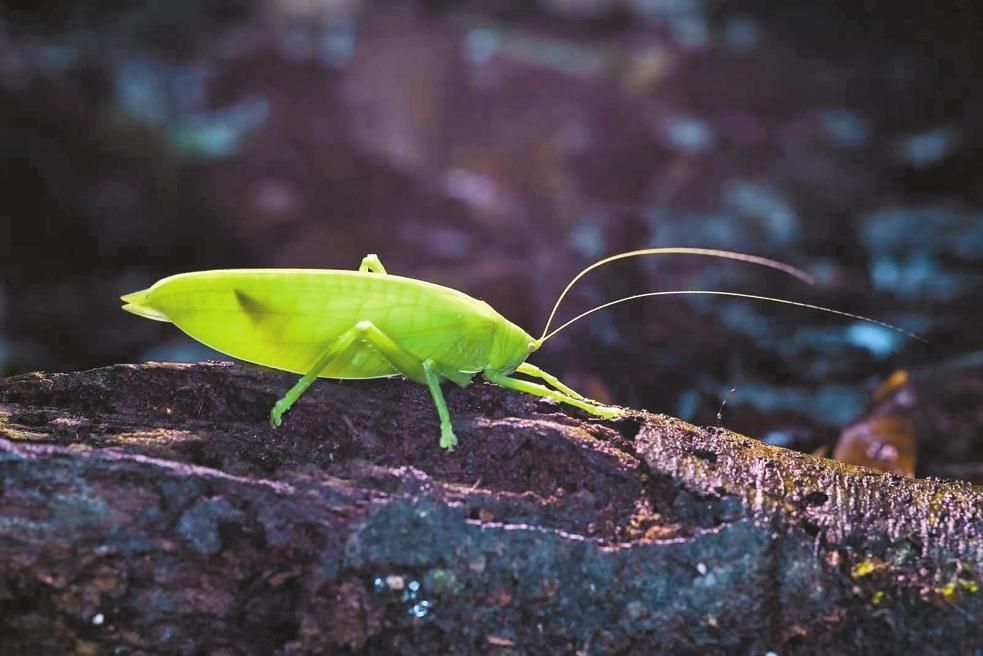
(510, 347)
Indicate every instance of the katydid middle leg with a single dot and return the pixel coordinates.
(448, 440)
(426, 371)
(422, 371)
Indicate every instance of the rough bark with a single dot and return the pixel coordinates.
(152, 509)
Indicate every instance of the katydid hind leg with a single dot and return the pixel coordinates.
(338, 347)
(371, 263)
(361, 334)
(536, 389)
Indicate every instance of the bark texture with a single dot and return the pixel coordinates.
(151, 508)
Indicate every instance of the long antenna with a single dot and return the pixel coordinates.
(679, 292)
(711, 252)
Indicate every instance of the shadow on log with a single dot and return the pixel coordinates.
(151, 509)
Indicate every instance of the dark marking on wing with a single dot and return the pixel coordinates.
(252, 306)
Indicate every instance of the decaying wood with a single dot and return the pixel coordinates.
(151, 509)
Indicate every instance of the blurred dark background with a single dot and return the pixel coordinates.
(498, 147)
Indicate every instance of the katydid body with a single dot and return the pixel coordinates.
(369, 324)
(349, 325)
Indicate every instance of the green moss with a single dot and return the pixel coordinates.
(950, 591)
(442, 581)
(866, 567)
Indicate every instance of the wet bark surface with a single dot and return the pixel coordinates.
(151, 508)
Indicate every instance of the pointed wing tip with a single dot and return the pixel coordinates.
(137, 303)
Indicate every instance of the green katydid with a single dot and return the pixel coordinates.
(369, 324)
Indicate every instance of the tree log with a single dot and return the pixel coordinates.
(151, 508)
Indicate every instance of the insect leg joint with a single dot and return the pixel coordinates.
(372, 264)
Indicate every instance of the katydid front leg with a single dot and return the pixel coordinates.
(536, 372)
(499, 378)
